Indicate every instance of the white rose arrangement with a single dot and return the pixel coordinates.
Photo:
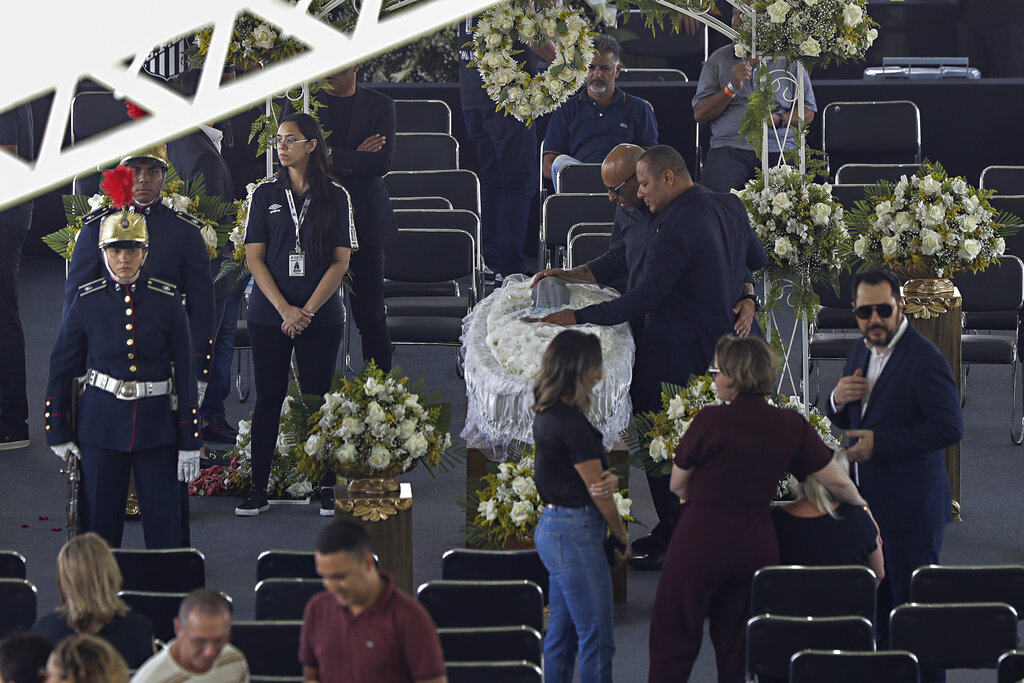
(929, 225)
(506, 507)
(374, 425)
(802, 228)
(495, 55)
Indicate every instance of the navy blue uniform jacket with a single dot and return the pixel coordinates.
(177, 254)
(914, 410)
(692, 278)
(132, 333)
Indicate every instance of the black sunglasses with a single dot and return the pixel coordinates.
(618, 188)
(883, 310)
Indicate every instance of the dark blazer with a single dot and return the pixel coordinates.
(362, 173)
(692, 279)
(914, 411)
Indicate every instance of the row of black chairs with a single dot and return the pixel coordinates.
(1005, 180)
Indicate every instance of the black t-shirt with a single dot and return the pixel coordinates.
(270, 221)
(564, 437)
(823, 541)
(131, 635)
(339, 118)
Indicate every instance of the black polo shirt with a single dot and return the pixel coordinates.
(270, 221)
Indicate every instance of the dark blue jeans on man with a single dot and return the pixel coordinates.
(13, 397)
(509, 170)
(219, 386)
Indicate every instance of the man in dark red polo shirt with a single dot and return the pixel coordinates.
(362, 628)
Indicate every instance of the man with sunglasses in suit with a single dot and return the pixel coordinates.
(900, 406)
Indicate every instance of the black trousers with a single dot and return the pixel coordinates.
(367, 269)
(13, 397)
(316, 353)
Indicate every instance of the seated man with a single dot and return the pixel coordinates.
(201, 650)
(726, 82)
(592, 122)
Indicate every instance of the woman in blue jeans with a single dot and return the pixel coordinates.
(573, 480)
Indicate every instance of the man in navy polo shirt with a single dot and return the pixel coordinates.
(592, 122)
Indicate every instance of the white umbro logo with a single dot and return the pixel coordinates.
(624, 124)
(274, 208)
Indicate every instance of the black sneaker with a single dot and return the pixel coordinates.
(255, 503)
(9, 443)
(219, 430)
(327, 501)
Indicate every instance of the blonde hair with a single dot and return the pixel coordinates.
(89, 659)
(571, 359)
(816, 493)
(749, 362)
(88, 580)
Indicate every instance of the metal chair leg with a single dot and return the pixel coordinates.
(243, 395)
(1016, 436)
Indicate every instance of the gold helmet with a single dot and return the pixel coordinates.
(124, 229)
(156, 153)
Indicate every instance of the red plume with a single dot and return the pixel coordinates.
(135, 111)
(119, 184)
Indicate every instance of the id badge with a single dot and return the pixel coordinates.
(296, 265)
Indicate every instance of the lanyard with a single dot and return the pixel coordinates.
(297, 218)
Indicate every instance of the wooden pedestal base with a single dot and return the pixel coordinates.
(388, 519)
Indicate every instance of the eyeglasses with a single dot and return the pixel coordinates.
(714, 370)
(617, 190)
(883, 310)
(288, 142)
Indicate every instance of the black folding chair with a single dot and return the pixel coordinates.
(869, 174)
(284, 599)
(483, 603)
(173, 570)
(1003, 179)
(491, 644)
(946, 584)
(12, 565)
(467, 564)
(17, 605)
(1011, 667)
(159, 607)
(961, 636)
(286, 564)
(771, 640)
(494, 672)
(838, 666)
(849, 195)
(562, 211)
(586, 242)
(652, 75)
(834, 327)
(871, 132)
(797, 591)
(420, 203)
(580, 178)
(423, 116)
(1013, 204)
(459, 186)
(425, 152)
(270, 647)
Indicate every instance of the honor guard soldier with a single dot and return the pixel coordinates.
(128, 334)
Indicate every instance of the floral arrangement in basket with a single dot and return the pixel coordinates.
(507, 505)
(814, 32)
(375, 426)
(652, 437)
(929, 225)
(802, 228)
(516, 92)
(178, 195)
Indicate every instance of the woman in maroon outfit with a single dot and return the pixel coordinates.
(726, 470)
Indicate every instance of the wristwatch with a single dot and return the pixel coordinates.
(753, 297)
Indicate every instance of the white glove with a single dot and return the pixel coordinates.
(200, 393)
(188, 466)
(64, 449)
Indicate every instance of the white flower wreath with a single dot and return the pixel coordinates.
(516, 92)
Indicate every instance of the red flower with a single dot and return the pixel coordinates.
(119, 184)
(135, 111)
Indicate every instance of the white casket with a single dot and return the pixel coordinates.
(502, 355)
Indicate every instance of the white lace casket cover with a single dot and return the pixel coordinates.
(503, 354)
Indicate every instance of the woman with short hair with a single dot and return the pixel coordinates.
(726, 471)
(88, 580)
(85, 659)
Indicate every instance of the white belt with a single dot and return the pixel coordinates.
(128, 390)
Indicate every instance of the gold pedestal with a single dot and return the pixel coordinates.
(388, 519)
(618, 459)
(933, 307)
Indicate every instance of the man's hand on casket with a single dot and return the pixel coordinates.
(564, 318)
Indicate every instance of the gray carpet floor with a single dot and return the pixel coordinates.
(32, 488)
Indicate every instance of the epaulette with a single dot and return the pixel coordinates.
(189, 218)
(94, 286)
(162, 286)
(98, 213)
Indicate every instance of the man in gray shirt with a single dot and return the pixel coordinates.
(725, 85)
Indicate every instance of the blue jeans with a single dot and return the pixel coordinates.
(570, 544)
(223, 354)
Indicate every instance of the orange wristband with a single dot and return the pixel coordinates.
(728, 91)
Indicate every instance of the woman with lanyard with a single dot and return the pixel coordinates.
(298, 238)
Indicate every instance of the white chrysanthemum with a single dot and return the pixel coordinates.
(521, 512)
